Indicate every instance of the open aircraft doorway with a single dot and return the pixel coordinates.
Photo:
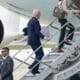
(77, 3)
(1, 31)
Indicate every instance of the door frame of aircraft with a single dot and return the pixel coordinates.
(77, 3)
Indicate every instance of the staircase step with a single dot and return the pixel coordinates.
(52, 56)
(28, 78)
(44, 65)
(47, 61)
(20, 72)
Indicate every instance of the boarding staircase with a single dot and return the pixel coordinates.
(54, 66)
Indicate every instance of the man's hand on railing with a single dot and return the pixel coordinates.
(47, 38)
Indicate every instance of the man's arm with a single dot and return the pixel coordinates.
(37, 30)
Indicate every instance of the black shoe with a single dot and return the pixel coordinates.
(34, 73)
(37, 72)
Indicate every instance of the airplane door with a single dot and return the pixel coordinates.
(1, 31)
(77, 3)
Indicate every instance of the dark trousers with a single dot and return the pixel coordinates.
(38, 56)
(63, 30)
(75, 77)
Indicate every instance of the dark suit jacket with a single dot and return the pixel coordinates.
(33, 31)
(7, 69)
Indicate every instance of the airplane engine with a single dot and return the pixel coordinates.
(1, 31)
(9, 26)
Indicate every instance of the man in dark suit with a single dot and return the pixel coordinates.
(34, 36)
(6, 67)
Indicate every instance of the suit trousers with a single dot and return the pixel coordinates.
(63, 30)
(38, 56)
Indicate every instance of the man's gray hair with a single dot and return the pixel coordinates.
(35, 11)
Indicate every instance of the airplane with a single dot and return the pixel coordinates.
(24, 8)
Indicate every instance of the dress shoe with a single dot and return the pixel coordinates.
(34, 73)
(59, 50)
(37, 72)
(67, 42)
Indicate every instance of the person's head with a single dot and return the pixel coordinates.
(36, 13)
(5, 51)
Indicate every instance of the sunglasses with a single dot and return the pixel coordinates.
(3, 51)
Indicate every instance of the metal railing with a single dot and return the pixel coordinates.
(38, 47)
(14, 57)
(24, 62)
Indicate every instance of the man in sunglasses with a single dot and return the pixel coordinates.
(6, 67)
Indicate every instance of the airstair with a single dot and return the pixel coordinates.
(54, 66)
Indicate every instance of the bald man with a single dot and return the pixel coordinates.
(34, 36)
